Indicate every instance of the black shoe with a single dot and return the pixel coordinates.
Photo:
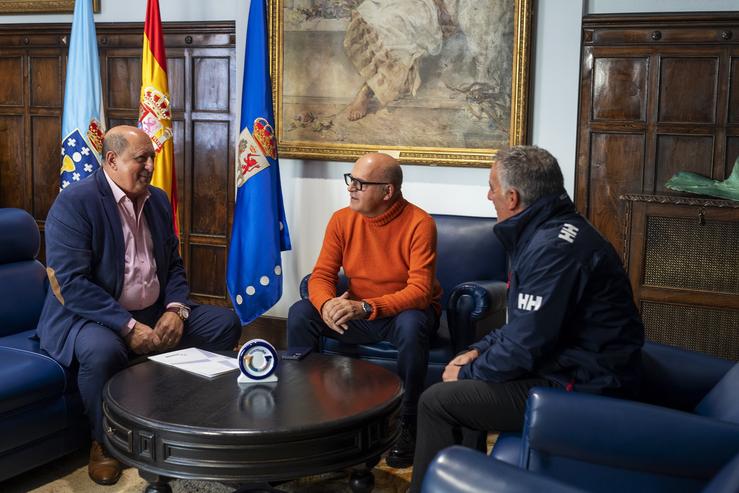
(401, 455)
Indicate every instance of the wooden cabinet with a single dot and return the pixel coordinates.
(201, 66)
(683, 260)
(658, 94)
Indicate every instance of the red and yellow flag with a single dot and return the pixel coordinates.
(155, 111)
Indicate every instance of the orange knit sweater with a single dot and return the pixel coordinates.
(390, 260)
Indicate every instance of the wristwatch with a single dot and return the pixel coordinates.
(367, 308)
(182, 311)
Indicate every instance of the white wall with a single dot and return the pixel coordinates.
(314, 189)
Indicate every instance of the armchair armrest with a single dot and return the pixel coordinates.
(460, 470)
(342, 285)
(626, 434)
(472, 302)
(667, 368)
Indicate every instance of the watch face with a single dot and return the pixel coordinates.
(184, 313)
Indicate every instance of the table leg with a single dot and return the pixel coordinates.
(157, 484)
(361, 480)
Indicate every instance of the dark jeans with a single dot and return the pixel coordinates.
(409, 331)
(100, 352)
(462, 412)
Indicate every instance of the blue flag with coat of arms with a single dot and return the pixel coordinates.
(83, 123)
(259, 232)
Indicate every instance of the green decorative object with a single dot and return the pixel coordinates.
(684, 181)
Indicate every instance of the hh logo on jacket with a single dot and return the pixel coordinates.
(529, 302)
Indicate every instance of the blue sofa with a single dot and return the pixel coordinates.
(41, 415)
(472, 269)
(461, 470)
(686, 429)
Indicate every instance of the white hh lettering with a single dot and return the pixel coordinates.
(568, 232)
(529, 302)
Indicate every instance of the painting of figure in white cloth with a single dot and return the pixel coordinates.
(409, 74)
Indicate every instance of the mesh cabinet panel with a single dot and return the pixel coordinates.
(709, 330)
(682, 253)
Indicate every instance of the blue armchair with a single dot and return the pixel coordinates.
(41, 416)
(472, 269)
(462, 470)
(677, 440)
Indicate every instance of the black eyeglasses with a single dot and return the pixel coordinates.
(360, 184)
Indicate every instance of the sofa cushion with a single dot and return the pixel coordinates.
(28, 378)
(722, 402)
(26, 281)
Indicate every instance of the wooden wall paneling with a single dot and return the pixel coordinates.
(11, 79)
(688, 89)
(45, 80)
(12, 162)
(45, 139)
(617, 166)
(681, 153)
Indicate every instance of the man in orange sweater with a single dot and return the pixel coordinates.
(387, 248)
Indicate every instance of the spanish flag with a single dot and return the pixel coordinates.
(155, 110)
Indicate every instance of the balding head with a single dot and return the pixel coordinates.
(382, 168)
(128, 159)
(385, 177)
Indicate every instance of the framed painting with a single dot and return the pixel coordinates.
(41, 6)
(437, 82)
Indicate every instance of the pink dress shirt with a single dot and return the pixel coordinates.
(140, 281)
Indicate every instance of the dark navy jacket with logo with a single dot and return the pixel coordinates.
(571, 315)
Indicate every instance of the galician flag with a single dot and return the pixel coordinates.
(259, 230)
(83, 123)
(155, 110)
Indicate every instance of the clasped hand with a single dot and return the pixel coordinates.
(165, 335)
(451, 371)
(337, 312)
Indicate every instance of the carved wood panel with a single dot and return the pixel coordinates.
(671, 79)
(201, 67)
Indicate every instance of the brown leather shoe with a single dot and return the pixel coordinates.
(103, 469)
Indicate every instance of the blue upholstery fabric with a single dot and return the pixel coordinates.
(611, 445)
(722, 402)
(41, 416)
(471, 267)
(460, 470)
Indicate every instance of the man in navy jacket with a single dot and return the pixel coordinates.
(117, 282)
(572, 322)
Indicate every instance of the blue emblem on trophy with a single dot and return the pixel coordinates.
(257, 362)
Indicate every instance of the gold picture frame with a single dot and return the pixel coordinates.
(41, 6)
(455, 108)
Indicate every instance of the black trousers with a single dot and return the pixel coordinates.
(409, 331)
(462, 412)
(101, 353)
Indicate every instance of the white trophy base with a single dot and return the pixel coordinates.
(243, 379)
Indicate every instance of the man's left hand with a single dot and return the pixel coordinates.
(169, 328)
(345, 310)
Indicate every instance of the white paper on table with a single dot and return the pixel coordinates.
(197, 361)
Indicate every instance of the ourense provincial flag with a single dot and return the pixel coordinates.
(259, 232)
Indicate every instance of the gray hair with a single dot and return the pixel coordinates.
(116, 142)
(531, 170)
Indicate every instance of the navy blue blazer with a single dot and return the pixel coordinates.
(85, 263)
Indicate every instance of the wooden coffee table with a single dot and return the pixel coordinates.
(326, 413)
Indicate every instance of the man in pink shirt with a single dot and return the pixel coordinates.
(117, 281)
